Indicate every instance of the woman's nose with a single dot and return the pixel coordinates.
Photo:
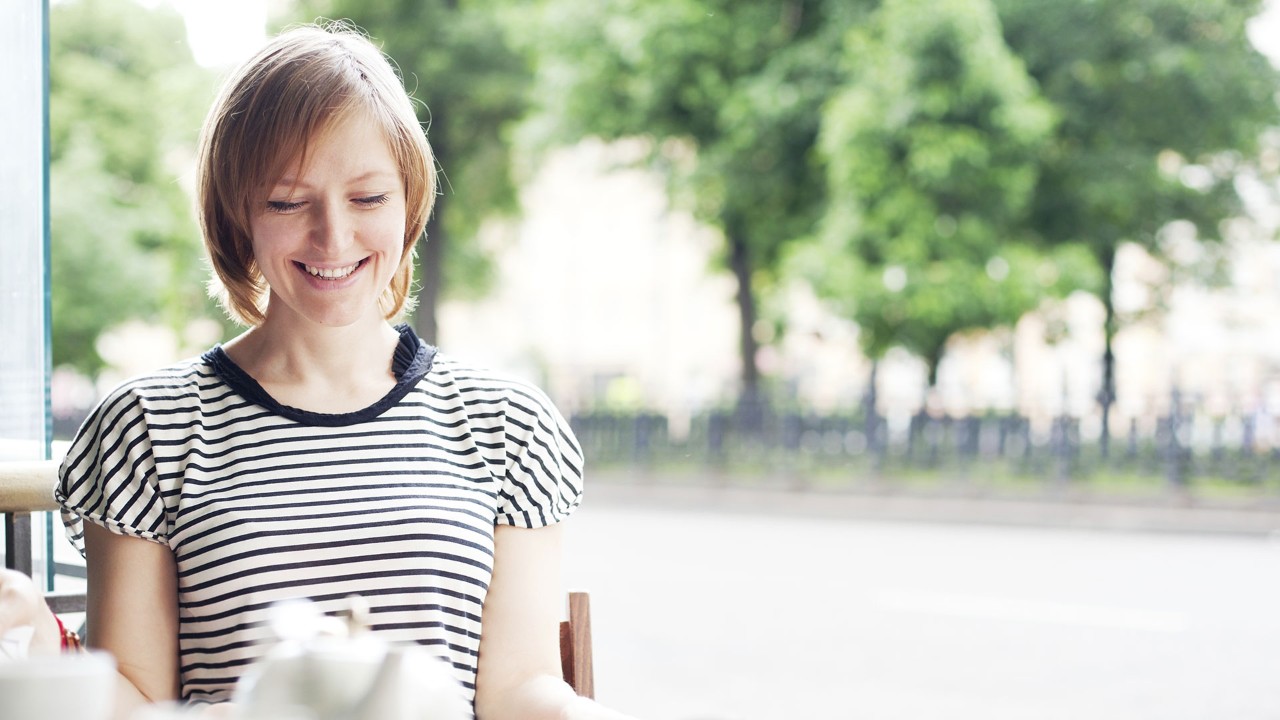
(334, 229)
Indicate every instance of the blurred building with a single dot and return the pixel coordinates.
(604, 293)
(609, 295)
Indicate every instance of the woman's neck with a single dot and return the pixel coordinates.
(322, 369)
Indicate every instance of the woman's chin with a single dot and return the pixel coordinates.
(326, 315)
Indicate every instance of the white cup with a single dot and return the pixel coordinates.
(76, 685)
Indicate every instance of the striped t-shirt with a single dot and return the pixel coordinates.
(261, 502)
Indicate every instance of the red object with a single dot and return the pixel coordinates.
(70, 640)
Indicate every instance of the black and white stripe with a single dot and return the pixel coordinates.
(262, 503)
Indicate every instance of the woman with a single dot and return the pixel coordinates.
(324, 452)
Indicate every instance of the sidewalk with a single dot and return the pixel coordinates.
(1159, 512)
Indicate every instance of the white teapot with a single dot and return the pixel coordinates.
(323, 669)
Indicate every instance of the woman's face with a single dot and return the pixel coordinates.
(330, 235)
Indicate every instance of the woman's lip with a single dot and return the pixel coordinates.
(314, 268)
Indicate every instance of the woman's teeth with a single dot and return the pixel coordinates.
(331, 273)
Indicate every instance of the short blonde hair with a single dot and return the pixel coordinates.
(288, 94)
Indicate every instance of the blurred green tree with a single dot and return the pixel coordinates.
(1160, 105)
(932, 149)
(125, 104)
(730, 94)
(457, 59)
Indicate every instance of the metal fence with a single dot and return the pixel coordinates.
(1180, 450)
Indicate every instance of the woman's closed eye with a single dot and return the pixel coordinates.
(282, 206)
(372, 200)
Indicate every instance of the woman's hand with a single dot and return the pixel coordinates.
(21, 605)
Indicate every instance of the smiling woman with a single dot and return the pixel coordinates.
(324, 452)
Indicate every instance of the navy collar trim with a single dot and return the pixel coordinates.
(410, 362)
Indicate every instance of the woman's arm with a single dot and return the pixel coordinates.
(133, 614)
(519, 672)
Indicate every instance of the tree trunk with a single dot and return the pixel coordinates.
(750, 405)
(870, 400)
(430, 258)
(932, 360)
(871, 417)
(1107, 393)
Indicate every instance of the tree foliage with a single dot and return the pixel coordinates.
(126, 99)
(1130, 81)
(946, 175)
(1161, 103)
(740, 84)
(931, 148)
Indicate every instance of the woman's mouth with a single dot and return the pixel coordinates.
(337, 273)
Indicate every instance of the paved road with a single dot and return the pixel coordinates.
(744, 616)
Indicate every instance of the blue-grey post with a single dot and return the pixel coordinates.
(24, 231)
(25, 427)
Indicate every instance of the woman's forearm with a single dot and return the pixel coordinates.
(585, 709)
(545, 698)
(128, 698)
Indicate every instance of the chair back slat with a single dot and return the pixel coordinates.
(575, 646)
(27, 486)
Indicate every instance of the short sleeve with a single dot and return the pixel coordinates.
(543, 480)
(109, 475)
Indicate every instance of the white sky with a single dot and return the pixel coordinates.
(225, 32)
(1264, 31)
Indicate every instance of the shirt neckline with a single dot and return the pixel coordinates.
(410, 362)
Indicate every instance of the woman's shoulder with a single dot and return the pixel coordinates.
(126, 411)
(181, 379)
(467, 376)
(474, 379)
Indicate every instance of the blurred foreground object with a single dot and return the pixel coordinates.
(79, 685)
(334, 672)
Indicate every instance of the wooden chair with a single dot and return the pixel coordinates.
(575, 646)
(27, 488)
